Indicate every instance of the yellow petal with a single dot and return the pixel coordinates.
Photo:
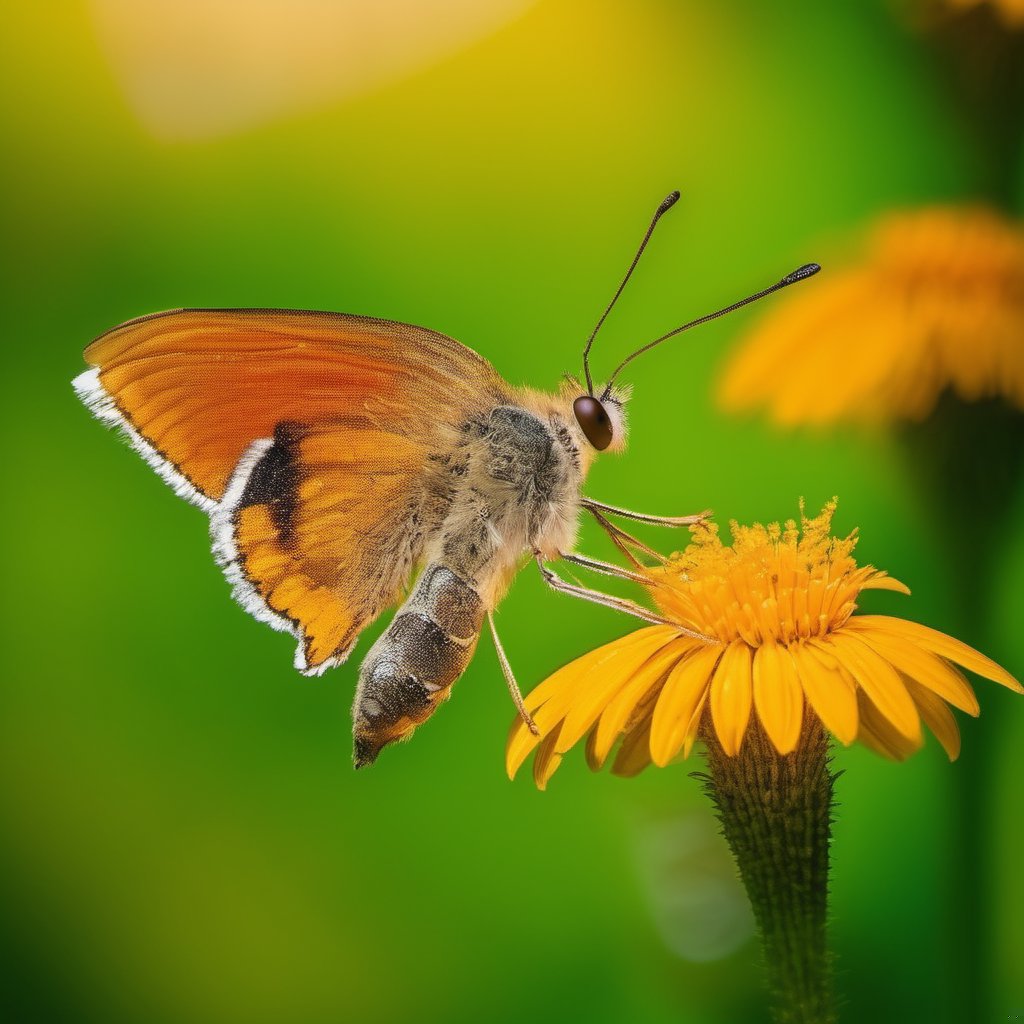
(546, 760)
(944, 646)
(518, 746)
(604, 680)
(878, 733)
(777, 696)
(829, 688)
(568, 676)
(687, 683)
(938, 718)
(521, 742)
(880, 681)
(594, 763)
(912, 660)
(622, 707)
(731, 696)
(635, 753)
(550, 701)
(882, 581)
(693, 729)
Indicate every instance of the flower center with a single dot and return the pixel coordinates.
(774, 583)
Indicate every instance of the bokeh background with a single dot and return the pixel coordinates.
(184, 839)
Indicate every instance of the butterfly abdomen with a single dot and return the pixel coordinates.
(513, 486)
(412, 666)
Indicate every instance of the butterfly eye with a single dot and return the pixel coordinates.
(593, 421)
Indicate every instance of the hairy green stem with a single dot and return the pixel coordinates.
(776, 815)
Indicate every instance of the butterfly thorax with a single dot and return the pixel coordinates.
(513, 475)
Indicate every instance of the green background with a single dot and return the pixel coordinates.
(183, 836)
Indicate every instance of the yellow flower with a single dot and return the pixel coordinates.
(937, 304)
(781, 603)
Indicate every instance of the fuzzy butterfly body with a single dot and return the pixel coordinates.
(336, 455)
(342, 459)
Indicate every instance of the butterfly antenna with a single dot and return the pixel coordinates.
(800, 274)
(666, 204)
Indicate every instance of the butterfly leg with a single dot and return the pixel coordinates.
(510, 679)
(643, 517)
(604, 568)
(626, 543)
(620, 604)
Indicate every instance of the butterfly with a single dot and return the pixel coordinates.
(345, 461)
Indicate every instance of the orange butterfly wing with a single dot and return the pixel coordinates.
(315, 441)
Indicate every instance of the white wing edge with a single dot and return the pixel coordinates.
(222, 526)
(101, 404)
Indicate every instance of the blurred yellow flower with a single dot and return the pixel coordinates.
(937, 304)
(781, 603)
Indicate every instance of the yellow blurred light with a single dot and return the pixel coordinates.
(204, 68)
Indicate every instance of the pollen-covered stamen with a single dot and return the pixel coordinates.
(778, 584)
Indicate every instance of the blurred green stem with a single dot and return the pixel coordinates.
(776, 814)
(982, 62)
(965, 462)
